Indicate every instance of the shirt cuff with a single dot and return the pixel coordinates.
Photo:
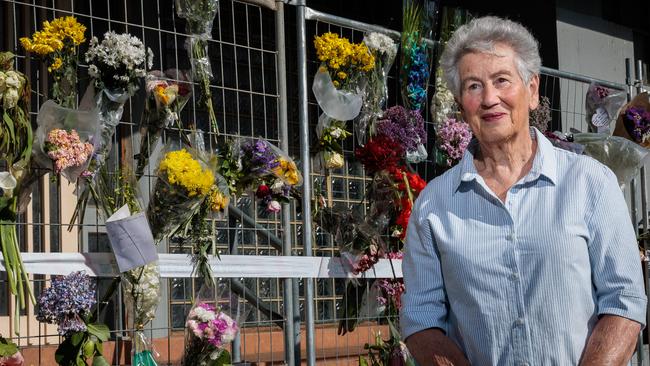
(627, 305)
(413, 321)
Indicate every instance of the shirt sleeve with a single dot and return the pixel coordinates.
(614, 256)
(424, 303)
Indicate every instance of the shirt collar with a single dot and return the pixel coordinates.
(544, 163)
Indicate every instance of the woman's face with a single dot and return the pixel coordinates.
(494, 99)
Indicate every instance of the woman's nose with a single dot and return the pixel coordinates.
(490, 97)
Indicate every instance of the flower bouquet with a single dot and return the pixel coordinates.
(406, 128)
(452, 140)
(63, 138)
(384, 50)
(633, 121)
(443, 104)
(540, 117)
(10, 354)
(183, 182)
(15, 156)
(68, 303)
(57, 43)
(115, 65)
(165, 101)
(340, 79)
(414, 74)
(390, 352)
(209, 330)
(331, 134)
(602, 105)
(263, 168)
(199, 15)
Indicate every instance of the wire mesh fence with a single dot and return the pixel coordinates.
(246, 97)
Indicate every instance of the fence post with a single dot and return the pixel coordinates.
(287, 285)
(303, 118)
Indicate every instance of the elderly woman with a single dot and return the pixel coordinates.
(522, 254)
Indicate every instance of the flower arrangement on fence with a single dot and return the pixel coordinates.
(209, 331)
(602, 105)
(407, 129)
(345, 62)
(264, 169)
(414, 74)
(115, 65)
(330, 141)
(16, 140)
(540, 117)
(443, 104)
(166, 98)
(199, 15)
(453, 137)
(57, 44)
(387, 352)
(634, 120)
(67, 303)
(183, 182)
(384, 50)
(66, 149)
(10, 354)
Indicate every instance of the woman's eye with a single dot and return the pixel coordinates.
(502, 81)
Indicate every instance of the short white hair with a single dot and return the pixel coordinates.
(481, 35)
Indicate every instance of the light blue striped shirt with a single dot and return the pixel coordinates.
(522, 282)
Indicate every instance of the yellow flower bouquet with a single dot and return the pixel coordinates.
(184, 182)
(57, 44)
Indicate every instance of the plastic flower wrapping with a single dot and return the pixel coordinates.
(183, 181)
(57, 44)
(443, 105)
(384, 50)
(331, 134)
(602, 106)
(340, 80)
(414, 74)
(15, 175)
(115, 65)
(10, 354)
(257, 165)
(68, 303)
(166, 98)
(453, 137)
(405, 127)
(633, 121)
(199, 15)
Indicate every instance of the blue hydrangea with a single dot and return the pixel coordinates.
(66, 302)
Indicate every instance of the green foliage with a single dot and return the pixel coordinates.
(7, 348)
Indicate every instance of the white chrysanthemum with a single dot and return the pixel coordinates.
(144, 295)
(381, 43)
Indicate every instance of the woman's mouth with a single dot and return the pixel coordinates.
(492, 117)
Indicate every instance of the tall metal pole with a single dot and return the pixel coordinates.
(287, 294)
(303, 119)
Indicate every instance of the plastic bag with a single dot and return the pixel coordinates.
(621, 155)
(56, 123)
(602, 106)
(165, 100)
(341, 105)
(211, 325)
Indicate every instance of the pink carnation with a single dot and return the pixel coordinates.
(66, 149)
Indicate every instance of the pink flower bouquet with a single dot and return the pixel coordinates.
(209, 332)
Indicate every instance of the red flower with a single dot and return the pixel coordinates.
(379, 153)
(416, 182)
(263, 191)
(404, 216)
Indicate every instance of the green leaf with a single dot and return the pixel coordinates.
(7, 350)
(362, 361)
(77, 338)
(10, 126)
(99, 360)
(100, 331)
(224, 359)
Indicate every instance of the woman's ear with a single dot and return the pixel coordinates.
(533, 87)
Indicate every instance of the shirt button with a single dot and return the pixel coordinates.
(519, 322)
(514, 276)
(524, 364)
(510, 237)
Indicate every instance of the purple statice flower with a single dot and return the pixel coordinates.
(66, 301)
(453, 138)
(257, 157)
(637, 123)
(403, 126)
